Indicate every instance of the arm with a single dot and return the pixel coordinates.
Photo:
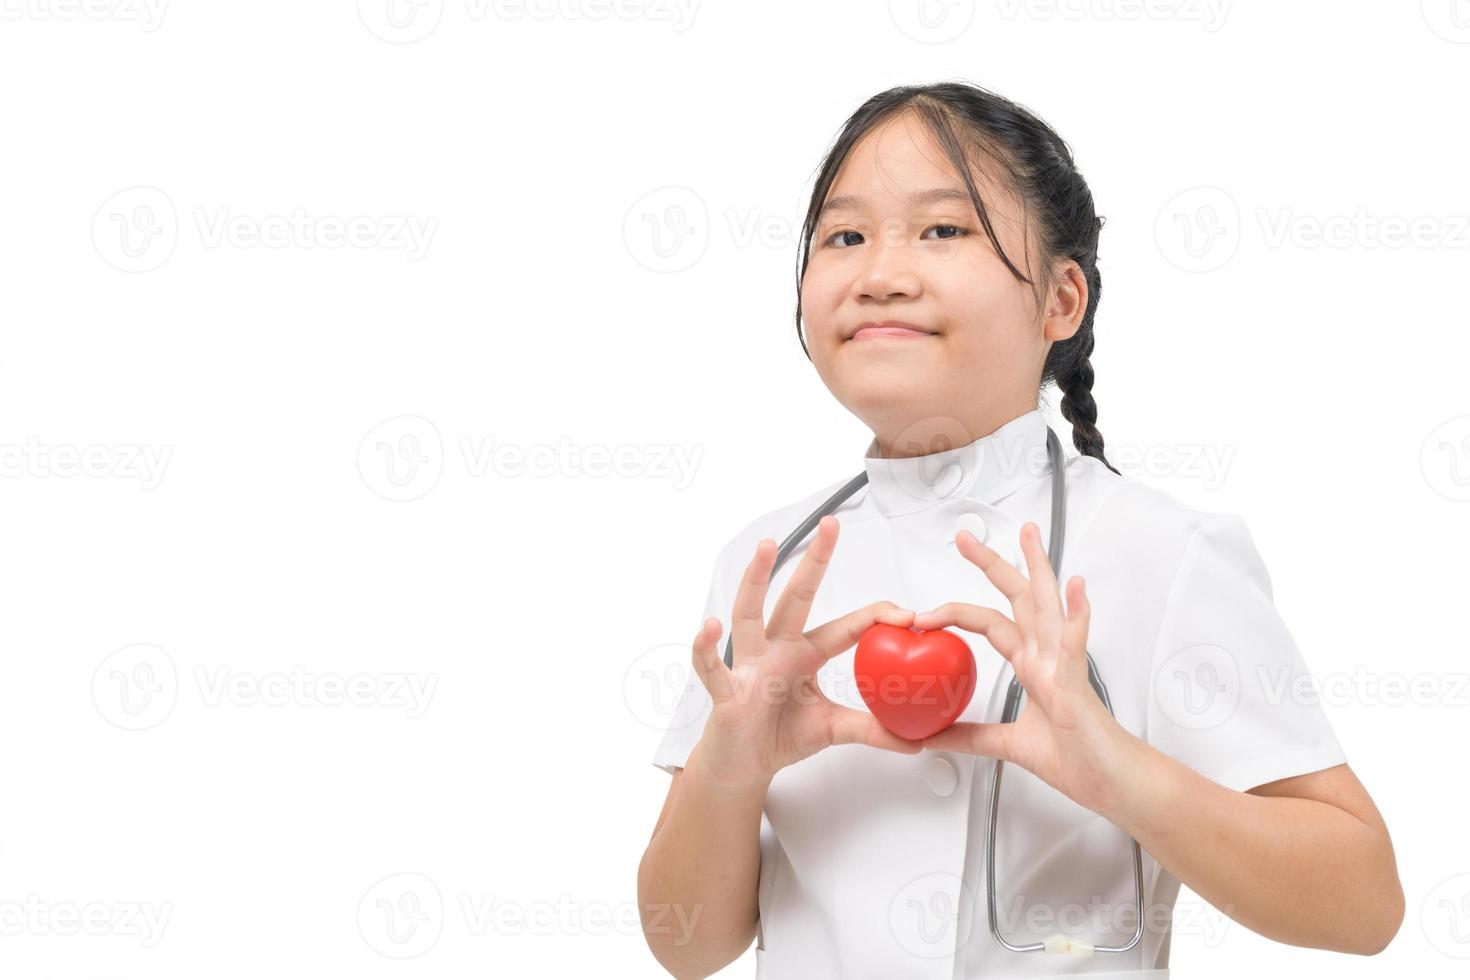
(1305, 860)
(701, 869)
(698, 877)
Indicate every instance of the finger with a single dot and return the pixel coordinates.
(988, 738)
(1071, 671)
(788, 619)
(747, 616)
(1046, 600)
(852, 727)
(834, 637)
(1003, 634)
(708, 663)
(1002, 574)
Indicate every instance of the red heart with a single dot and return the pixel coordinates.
(915, 682)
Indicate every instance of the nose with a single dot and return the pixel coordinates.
(887, 272)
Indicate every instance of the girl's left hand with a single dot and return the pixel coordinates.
(1064, 734)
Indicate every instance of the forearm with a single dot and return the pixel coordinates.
(1295, 870)
(698, 878)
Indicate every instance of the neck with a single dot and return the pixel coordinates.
(939, 433)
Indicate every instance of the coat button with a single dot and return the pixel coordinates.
(973, 523)
(941, 776)
(948, 481)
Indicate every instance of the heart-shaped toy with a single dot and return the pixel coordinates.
(915, 682)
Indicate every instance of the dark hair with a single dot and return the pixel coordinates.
(966, 119)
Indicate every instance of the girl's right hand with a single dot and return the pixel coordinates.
(768, 711)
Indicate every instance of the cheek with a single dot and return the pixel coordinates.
(989, 310)
(820, 298)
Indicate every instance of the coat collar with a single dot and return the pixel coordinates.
(985, 469)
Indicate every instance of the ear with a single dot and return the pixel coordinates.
(1066, 302)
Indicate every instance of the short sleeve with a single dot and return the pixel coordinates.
(686, 723)
(1232, 698)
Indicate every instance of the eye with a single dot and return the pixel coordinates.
(839, 234)
(962, 232)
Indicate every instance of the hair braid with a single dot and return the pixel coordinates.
(1078, 405)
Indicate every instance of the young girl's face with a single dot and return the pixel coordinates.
(881, 252)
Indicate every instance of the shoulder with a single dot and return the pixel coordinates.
(1140, 526)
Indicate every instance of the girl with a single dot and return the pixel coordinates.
(949, 272)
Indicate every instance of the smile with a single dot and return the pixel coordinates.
(889, 329)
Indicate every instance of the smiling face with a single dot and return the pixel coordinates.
(900, 243)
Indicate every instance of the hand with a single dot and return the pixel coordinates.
(768, 711)
(1064, 734)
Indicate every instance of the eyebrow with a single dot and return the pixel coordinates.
(935, 195)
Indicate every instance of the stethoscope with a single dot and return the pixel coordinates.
(1057, 943)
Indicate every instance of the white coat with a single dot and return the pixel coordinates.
(871, 861)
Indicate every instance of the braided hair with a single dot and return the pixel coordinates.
(967, 119)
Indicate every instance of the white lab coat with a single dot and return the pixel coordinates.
(872, 861)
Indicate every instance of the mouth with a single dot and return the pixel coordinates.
(889, 329)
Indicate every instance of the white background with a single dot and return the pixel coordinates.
(173, 630)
